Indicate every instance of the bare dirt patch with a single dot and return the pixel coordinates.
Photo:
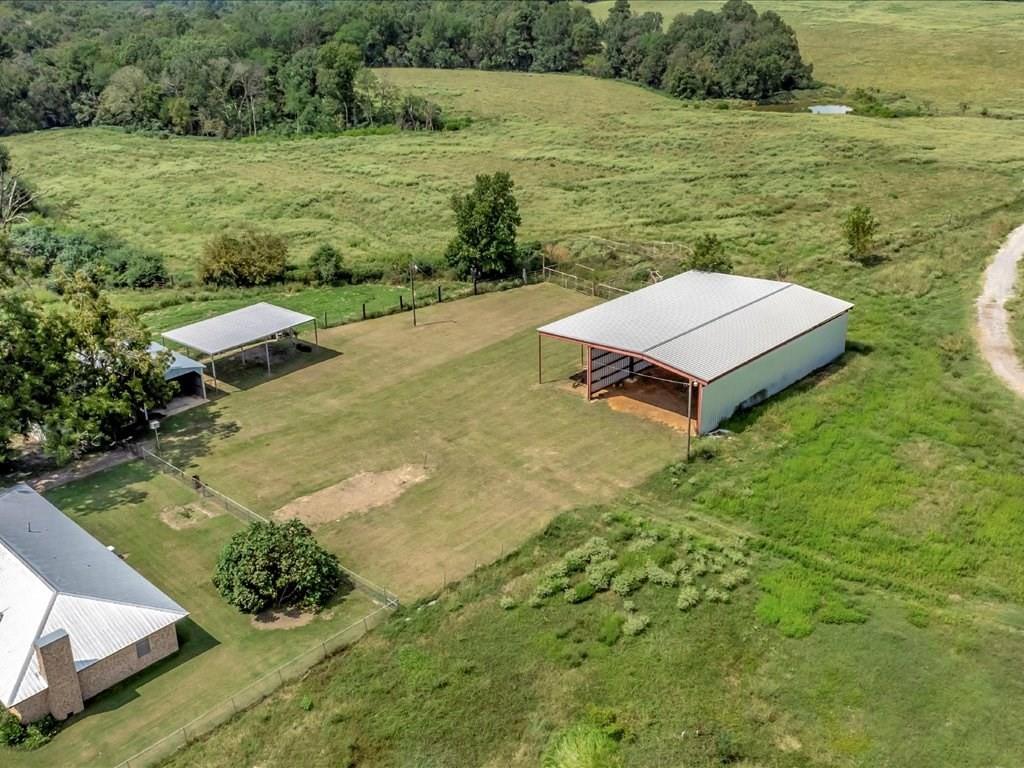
(655, 401)
(993, 326)
(287, 619)
(180, 517)
(358, 493)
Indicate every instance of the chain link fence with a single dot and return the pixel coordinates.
(255, 692)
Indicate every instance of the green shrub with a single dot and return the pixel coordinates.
(600, 574)
(12, 732)
(715, 595)
(306, 704)
(276, 565)
(611, 629)
(583, 746)
(251, 258)
(689, 596)
(325, 267)
(550, 585)
(581, 592)
(732, 579)
(635, 624)
(629, 581)
(507, 602)
(660, 576)
(607, 719)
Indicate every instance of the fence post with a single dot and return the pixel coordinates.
(439, 294)
(364, 310)
(401, 303)
(325, 318)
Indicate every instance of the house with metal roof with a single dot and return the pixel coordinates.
(75, 618)
(727, 341)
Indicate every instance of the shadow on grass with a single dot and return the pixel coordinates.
(191, 434)
(193, 642)
(249, 369)
(746, 418)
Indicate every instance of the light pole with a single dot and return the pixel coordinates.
(413, 269)
(154, 424)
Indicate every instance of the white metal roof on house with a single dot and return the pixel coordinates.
(180, 364)
(55, 576)
(704, 324)
(238, 328)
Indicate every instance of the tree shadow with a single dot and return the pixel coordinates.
(193, 641)
(105, 490)
(189, 435)
(246, 370)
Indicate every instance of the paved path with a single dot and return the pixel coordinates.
(994, 335)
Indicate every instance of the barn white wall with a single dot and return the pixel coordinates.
(772, 372)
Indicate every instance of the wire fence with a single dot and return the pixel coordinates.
(255, 692)
(587, 285)
(425, 297)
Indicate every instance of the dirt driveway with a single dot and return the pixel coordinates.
(994, 336)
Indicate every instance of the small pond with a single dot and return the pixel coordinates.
(830, 109)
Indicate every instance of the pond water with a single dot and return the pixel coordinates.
(804, 107)
(830, 109)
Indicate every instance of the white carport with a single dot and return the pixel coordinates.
(256, 324)
(733, 341)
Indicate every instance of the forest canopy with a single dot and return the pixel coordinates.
(231, 68)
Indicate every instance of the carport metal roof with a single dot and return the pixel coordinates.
(231, 330)
(701, 324)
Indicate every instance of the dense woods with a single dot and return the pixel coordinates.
(224, 68)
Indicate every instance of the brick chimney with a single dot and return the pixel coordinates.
(64, 696)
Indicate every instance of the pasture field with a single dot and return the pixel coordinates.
(946, 52)
(129, 507)
(468, 682)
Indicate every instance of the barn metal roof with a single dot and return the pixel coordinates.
(180, 364)
(703, 324)
(55, 576)
(238, 328)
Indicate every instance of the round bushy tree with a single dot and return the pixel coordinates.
(276, 565)
(326, 267)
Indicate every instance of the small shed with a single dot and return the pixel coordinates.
(186, 372)
(727, 341)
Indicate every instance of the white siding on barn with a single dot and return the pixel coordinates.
(772, 372)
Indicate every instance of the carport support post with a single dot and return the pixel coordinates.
(689, 417)
(540, 370)
(213, 365)
(590, 370)
(316, 333)
(266, 348)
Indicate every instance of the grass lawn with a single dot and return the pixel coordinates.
(947, 52)
(456, 395)
(221, 652)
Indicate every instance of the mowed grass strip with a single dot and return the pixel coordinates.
(459, 395)
(221, 652)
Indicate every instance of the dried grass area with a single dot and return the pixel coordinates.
(358, 493)
(180, 517)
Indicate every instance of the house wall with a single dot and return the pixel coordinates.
(771, 373)
(105, 673)
(33, 708)
(126, 662)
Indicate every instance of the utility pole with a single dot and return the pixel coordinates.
(413, 269)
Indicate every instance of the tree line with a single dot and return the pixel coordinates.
(226, 68)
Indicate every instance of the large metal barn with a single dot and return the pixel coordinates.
(724, 342)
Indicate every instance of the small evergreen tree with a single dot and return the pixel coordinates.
(709, 256)
(859, 228)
